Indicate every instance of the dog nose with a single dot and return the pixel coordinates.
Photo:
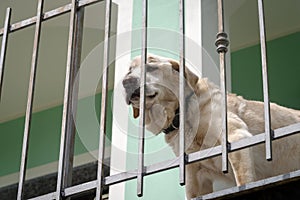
(131, 83)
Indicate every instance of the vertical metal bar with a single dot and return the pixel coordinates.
(103, 115)
(66, 154)
(263, 46)
(141, 167)
(182, 94)
(66, 102)
(4, 46)
(73, 99)
(222, 44)
(30, 98)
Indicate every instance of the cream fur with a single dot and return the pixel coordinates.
(203, 127)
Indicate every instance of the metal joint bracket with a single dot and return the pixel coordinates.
(102, 181)
(229, 146)
(62, 193)
(144, 170)
(186, 157)
(272, 134)
(222, 42)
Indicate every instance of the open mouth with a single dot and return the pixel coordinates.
(151, 96)
(135, 96)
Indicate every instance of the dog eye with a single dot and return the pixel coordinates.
(151, 68)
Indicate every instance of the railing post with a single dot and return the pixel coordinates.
(222, 43)
(68, 130)
(141, 148)
(30, 97)
(263, 47)
(4, 47)
(182, 94)
(104, 99)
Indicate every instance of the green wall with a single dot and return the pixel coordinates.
(45, 135)
(283, 70)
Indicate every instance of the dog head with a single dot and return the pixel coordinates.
(161, 90)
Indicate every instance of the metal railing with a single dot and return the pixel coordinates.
(30, 97)
(64, 188)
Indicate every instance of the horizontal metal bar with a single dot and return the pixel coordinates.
(151, 169)
(193, 157)
(260, 138)
(166, 166)
(247, 142)
(163, 166)
(286, 131)
(48, 196)
(48, 15)
(251, 186)
(121, 177)
(203, 154)
(77, 189)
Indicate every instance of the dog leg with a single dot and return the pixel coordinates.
(242, 166)
(198, 181)
(241, 161)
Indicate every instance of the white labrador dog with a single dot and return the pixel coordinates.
(203, 125)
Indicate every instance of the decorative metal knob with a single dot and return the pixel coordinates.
(222, 42)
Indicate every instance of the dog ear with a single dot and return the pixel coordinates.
(191, 78)
(175, 65)
(136, 112)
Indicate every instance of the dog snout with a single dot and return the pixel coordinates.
(131, 83)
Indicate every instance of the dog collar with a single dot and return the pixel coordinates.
(174, 125)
